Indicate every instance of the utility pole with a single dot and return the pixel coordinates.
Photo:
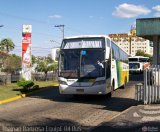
(61, 27)
(1, 26)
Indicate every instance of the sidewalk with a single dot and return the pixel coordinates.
(137, 118)
(141, 118)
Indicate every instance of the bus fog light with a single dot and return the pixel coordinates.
(99, 92)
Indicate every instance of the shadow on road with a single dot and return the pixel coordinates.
(128, 127)
(118, 104)
(51, 125)
(47, 125)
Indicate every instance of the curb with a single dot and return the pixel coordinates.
(21, 96)
(55, 85)
(12, 99)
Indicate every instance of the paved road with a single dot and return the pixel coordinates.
(141, 118)
(48, 110)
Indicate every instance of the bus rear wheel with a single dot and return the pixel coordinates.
(125, 82)
(112, 90)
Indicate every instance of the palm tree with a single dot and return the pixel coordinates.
(7, 45)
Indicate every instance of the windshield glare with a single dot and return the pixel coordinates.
(81, 63)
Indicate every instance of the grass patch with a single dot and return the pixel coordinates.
(11, 89)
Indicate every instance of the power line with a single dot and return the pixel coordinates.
(61, 27)
(23, 18)
(37, 47)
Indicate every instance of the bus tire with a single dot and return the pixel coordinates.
(109, 95)
(112, 87)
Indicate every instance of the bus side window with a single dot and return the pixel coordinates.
(113, 55)
(115, 52)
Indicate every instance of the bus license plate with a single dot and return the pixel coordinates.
(79, 90)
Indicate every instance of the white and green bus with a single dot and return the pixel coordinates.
(91, 64)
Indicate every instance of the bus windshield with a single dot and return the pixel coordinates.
(133, 59)
(143, 59)
(77, 63)
(134, 65)
(138, 59)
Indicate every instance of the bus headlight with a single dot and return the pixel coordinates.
(62, 82)
(99, 82)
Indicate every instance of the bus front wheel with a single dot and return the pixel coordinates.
(112, 87)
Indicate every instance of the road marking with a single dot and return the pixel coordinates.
(149, 107)
(149, 112)
(135, 114)
(151, 118)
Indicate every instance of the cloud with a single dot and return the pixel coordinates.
(157, 8)
(55, 16)
(157, 14)
(130, 11)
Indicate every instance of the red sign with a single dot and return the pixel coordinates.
(26, 52)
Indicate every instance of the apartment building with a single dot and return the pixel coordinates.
(130, 43)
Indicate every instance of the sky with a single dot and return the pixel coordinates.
(80, 17)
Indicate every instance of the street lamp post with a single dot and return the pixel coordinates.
(61, 27)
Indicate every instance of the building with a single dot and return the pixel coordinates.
(130, 43)
(55, 54)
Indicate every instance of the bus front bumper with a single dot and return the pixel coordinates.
(99, 89)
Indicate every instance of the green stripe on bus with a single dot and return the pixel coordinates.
(118, 72)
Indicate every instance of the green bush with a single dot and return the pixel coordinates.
(35, 87)
(25, 84)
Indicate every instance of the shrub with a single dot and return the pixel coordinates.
(35, 87)
(25, 84)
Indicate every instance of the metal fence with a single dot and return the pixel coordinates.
(3, 79)
(149, 91)
(43, 77)
(11, 78)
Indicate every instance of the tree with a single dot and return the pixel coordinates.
(7, 45)
(45, 66)
(33, 59)
(3, 56)
(53, 67)
(142, 53)
(12, 63)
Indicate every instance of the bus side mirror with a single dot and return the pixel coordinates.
(106, 60)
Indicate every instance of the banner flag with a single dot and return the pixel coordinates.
(26, 52)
